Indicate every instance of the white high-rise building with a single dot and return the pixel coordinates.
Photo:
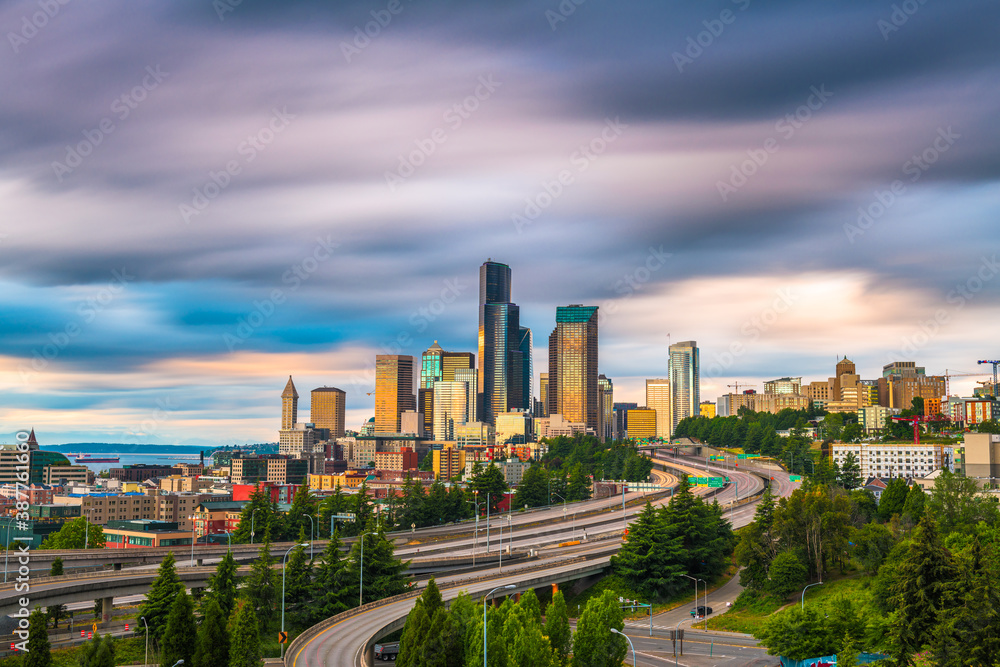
(454, 403)
(683, 372)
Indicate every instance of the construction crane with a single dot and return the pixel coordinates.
(995, 364)
(947, 376)
(737, 386)
(916, 419)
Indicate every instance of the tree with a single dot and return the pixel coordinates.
(957, 505)
(179, 635)
(333, 591)
(297, 522)
(160, 597)
(852, 433)
(57, 567)
(557, 627)
(927, 572)
(533, 490)
(257, 516)
(833, 425)
(212, 643)
(871, 546)
(850, 472)
(244, 633)
(652, 559)
(98, 652)
(787, 574)
(74, 534)
(594, 645)
(525, 642)
(222, 586)
(38, 648)
(913, 508)
(424, 626)
(56, 613)
(489, 480)
(260, 589)
(578, 486)
(383, 572)
(757, 546)
(298, 575)
(893, 498)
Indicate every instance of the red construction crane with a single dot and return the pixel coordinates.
(916, 419)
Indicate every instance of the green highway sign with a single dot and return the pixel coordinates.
(716, 482)
(344, 517)
(716, 458)
(795, 478)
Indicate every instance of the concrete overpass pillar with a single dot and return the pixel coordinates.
(107, 606)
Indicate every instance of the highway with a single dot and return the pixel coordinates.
(345, 640)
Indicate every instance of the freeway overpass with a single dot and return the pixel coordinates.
(346, 640)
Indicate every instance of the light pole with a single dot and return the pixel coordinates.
(312, 528)
(283, 569)
(252, 517)
(145, 660)
(619, 632)
(6, 553)
(696, 580)
(361, 588)
(86, 529)
(229, 536)
(475, 539)
(803, 605)
(485, 598)
(564, 512)
(179, 662)
(487, 525)
(191, 519)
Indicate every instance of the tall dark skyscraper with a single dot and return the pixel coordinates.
(504, 346)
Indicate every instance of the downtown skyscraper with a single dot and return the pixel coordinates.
(393, 391)
(504, 361)
(574, 392)
(684, 376)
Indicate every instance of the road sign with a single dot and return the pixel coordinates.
(795, 478)
(282, 637)
(716, 482)
(345, 517)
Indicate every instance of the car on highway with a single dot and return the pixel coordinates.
(701, 610)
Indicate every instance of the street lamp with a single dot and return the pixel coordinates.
(485, 598)
(803, 605)
(86, 529)
(145, 660)
(229, 536)
(312, 527)
(696, 580)
(191, 519)
(676, 632)
(475, 540)
(619, 632)
(361, 588)
(564, 512)
(283, 569)
(179, 662)
(252, 517)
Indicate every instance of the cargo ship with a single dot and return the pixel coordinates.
(90, 458)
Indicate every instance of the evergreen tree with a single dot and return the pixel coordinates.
(893, 498)
(594, 645)
(160, 598)
(212, 644)
(383, 572)
(56, 612)
(529, 602)
(578, 486)
(298, 523)
(557, 628)
(525, 643)
(850, 472)
(98, 652)
(256, 516)
(920, 591)
(260, 589)
(460, 616)
(415, 633)
(298, 575)
(706, 537)
(244, 634)
(222, 586)
(913, 508)
(39, 649)
(533, 489)
(786, 574)
(488, 480)
(57, 567)
(651, 561)
(332, 591)
(180, 632)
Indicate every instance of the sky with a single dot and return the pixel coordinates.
(199, 199)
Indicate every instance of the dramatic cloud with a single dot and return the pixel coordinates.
(197, 202)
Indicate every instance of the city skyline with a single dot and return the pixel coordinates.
(197, 206)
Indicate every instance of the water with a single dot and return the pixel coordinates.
(159, 455)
